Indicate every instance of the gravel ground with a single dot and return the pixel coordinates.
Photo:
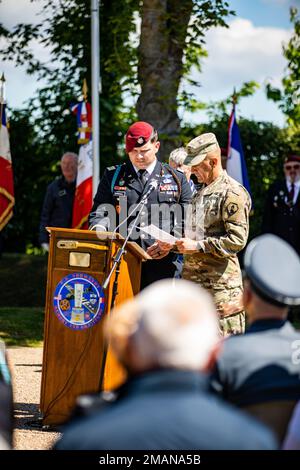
(26, 369)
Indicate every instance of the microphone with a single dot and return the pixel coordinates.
(152, 185)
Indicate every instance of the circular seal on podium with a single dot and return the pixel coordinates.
(79, 301)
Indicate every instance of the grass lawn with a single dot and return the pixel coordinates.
(22, 326)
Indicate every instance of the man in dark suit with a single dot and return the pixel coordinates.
(123, 187)
(260, 371)
(58, 202)
(282, 208)
(167, 338)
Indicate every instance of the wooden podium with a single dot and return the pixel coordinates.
(74, 348)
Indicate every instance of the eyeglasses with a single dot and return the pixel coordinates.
(292, 167)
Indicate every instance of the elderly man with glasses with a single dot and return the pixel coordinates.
(282, 208)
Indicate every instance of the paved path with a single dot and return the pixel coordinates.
(26, 369)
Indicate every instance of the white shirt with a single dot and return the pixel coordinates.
(149, 168)
(297, 189)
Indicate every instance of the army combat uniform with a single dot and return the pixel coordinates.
(218, 219)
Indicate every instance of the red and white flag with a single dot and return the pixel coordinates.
(84, 182)
(7, 199)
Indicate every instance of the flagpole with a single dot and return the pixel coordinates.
(2, 83)
(234, 97)
(236, 163)
(95, 37)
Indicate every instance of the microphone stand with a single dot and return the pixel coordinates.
(116, 267)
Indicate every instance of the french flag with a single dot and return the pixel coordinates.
(84, 182)
(7, 199)
(236, 164)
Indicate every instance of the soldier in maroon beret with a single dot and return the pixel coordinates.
(125, 185)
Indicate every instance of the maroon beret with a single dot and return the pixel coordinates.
(292, 158)
(138, 135)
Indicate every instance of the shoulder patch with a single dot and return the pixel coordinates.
(236, 206)
(232, 208)
(110, 168)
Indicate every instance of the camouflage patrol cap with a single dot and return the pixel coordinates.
(275, 278)
(199, 147)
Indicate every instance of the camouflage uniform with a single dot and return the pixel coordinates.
(218, 218)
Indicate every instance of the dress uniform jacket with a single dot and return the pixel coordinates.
(121, 188)
(280, 217)
(260, 366)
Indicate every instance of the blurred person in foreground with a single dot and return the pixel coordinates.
(216, 229)
(6, 402)
(58, 203)
(260, 371)
(167, 348)
(292, 438)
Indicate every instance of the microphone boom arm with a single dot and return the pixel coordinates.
(116, 267)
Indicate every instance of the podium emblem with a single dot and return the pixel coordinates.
(79, 301)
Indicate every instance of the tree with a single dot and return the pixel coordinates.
(289, 98)
(29, 183)
(65, 31)
(38, 143)
(158, 65)
(265, 146)
(171, 42)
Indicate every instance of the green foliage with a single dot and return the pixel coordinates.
(219, 108)
(289, 98)
(291, 82)
(65, 32)
(273, 94)
(33, 169)
(206, 15)
(264, 146)
(46, 129)
(42, 133)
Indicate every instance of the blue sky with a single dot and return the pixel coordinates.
(264, 12)
(251, 49)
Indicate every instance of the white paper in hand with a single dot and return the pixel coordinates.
(159, 234)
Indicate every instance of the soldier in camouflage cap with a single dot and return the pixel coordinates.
(216, 230)
(200, 147)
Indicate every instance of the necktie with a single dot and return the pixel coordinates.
(291, 193)
(143, 176)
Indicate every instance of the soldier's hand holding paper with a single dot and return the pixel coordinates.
(164, 243)
(187, 245)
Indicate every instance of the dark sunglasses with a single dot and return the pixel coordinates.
(292, 167)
